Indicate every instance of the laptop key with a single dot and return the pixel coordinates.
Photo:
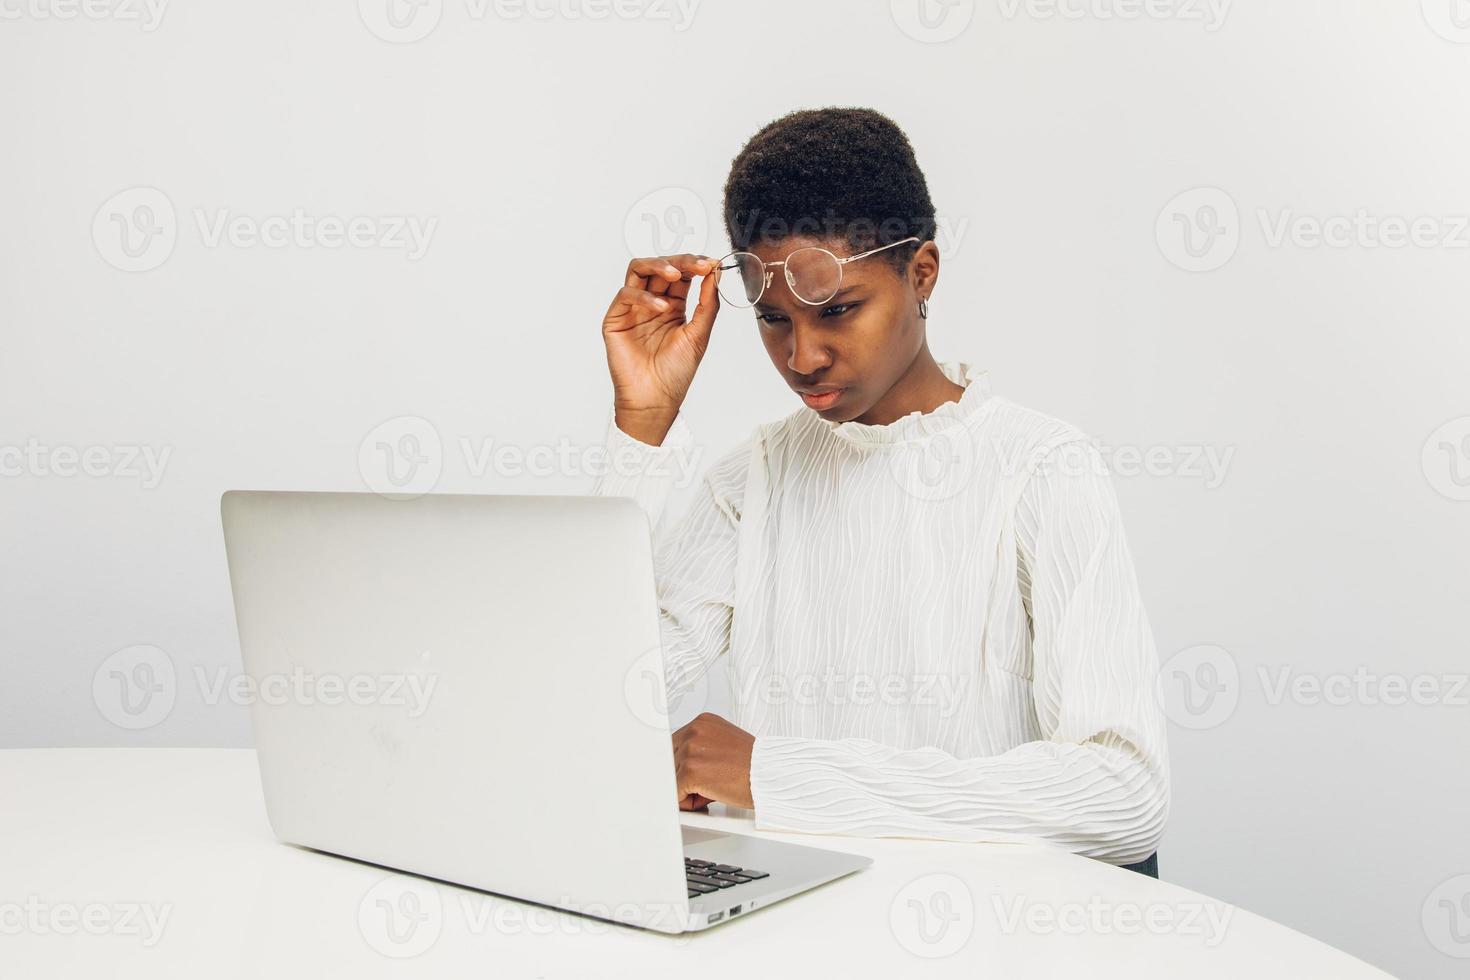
(693, 894)
(700, 888)
(737, 879)
(696, 862)
(701, 879)
(747, 873)
(727, 868)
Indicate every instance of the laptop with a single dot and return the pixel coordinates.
(470, 688)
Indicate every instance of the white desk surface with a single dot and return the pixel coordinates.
(156, 863)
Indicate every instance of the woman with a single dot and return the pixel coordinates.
(930, 610)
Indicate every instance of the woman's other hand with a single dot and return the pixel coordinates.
(712, 763)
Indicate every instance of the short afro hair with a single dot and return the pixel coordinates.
(836, 174)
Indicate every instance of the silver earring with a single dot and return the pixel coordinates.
(924, 308)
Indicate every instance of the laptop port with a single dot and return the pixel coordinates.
(716, 917)
(736, 911)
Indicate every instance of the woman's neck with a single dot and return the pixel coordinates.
(922, 388)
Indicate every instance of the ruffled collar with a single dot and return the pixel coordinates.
(921, 425)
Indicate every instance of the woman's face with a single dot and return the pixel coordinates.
(841, 357)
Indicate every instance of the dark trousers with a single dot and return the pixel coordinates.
(1148, 866)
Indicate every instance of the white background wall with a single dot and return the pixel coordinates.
(1333, 544)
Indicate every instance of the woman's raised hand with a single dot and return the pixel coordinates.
(654, 345)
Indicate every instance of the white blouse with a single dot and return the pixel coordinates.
(933, 626)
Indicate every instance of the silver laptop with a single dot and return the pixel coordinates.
(470, 688)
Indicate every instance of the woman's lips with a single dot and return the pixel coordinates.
(822, 400)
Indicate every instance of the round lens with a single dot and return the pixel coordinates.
(813, 274)
(742, 278)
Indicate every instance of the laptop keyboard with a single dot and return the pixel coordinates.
(707, 876)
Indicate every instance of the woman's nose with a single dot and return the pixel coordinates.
(808, 353)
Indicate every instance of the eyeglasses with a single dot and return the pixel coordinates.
(813, 274)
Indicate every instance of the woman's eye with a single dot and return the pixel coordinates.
(837, 309)
(769, 317)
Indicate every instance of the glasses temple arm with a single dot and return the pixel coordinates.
(874, 251)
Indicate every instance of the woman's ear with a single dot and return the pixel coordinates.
(924, 270)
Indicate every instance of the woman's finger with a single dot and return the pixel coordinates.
(631, 299)
(690, 267)
(703, 321)
(642, 271)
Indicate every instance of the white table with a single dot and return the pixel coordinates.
(159, 863)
